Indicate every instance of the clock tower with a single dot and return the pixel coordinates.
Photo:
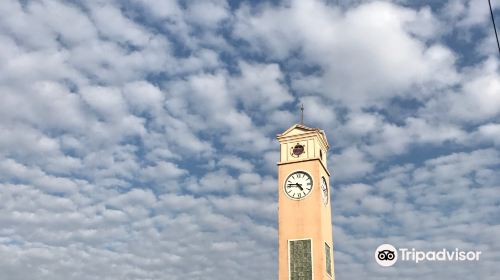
(305, 247)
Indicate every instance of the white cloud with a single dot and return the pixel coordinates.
(424, 207)
(207, 13)
(471, 13)
(480, 96)
(137, 137)
(391, 139)
(351, 163)
(236, 163)
(376, 204)
(457, 164)
(318, 111)
(424, 24)
(112, 23)
(363, 123)
(161, 9)
(107, 102)
(246, 205)
(216, 182)
(261, 86)
(56, 16)
(15, 171)
(477, 100)
(489, 132)
(143, 97)
(206, 102)
(144, 198)
(163, 171)
(362, 61)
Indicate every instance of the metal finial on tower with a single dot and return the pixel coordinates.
(302, 114)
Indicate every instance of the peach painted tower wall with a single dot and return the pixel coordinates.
(304, 224)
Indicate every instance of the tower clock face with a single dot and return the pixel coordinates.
(298, 185)
(324, 190)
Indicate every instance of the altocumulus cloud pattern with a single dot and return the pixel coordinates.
(137, 136)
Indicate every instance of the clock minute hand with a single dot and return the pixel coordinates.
(295, 185)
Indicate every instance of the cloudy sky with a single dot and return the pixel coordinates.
(137, 137)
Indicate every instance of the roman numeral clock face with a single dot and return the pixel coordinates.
(298, 185)
(324, 189)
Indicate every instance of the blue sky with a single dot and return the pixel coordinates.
(137, 137)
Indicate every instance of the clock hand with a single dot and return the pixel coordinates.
(295, 185)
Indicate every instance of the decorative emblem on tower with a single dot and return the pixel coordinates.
(297, 150)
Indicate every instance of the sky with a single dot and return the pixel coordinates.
(137, 137)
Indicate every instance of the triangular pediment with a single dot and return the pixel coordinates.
(300, 129)
(296, 130)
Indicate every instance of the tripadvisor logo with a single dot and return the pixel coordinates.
(387, 255)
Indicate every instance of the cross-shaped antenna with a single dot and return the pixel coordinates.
(302, 114)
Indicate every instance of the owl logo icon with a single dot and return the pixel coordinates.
(386, 255)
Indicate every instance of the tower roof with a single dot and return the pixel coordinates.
(299, 130)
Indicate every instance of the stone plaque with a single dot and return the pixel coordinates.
(328, 259)
(300, 260)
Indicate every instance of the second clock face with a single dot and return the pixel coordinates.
(324, 190)
(298, 185)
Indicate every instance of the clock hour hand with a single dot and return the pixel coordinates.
(295, 185)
